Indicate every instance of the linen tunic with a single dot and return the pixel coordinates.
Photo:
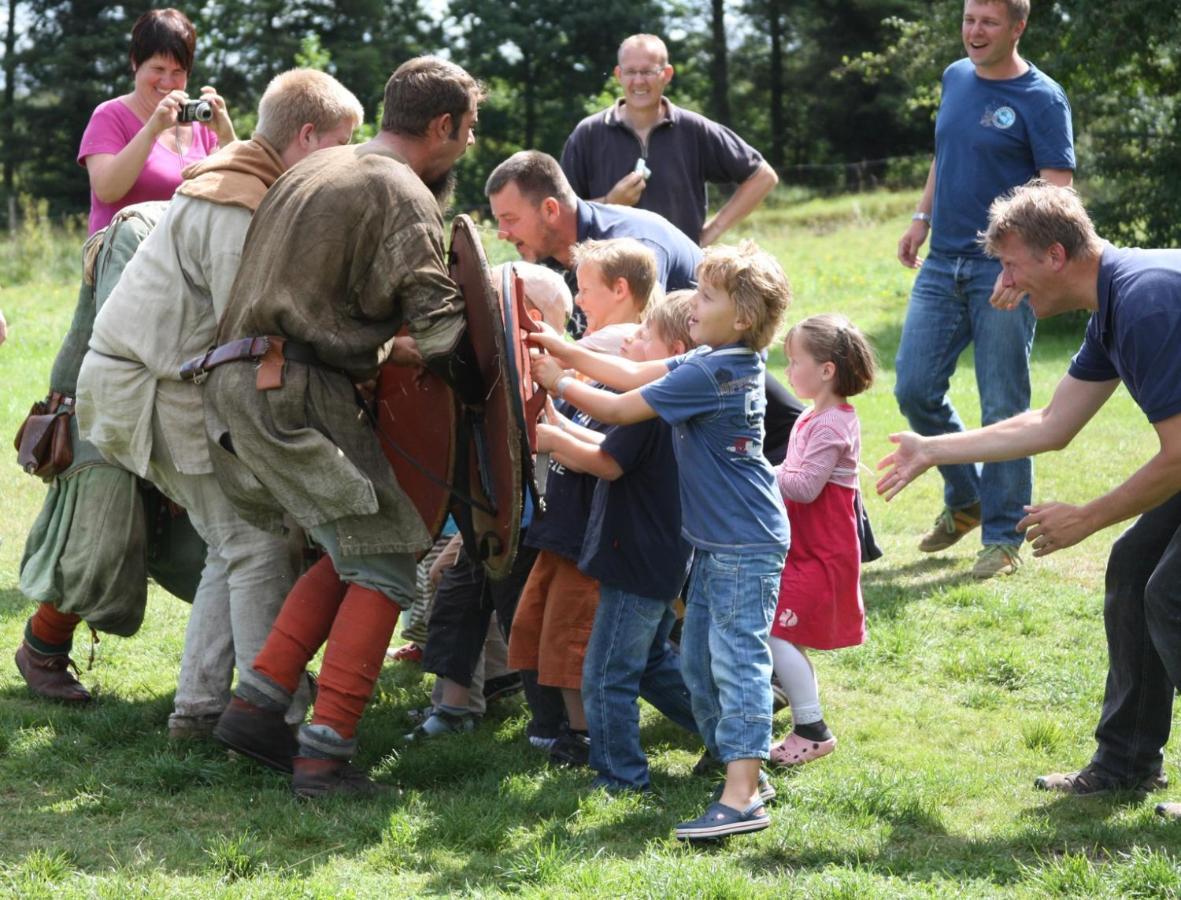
(345, 249)
(154, 320)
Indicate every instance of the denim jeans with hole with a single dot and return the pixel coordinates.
(724, 653)
(629, 656)
(1142, 616)
(949, 309)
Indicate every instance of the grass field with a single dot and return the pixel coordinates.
(963, 693)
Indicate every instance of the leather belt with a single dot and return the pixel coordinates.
(197, 369)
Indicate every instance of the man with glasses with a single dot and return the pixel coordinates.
(644, 151)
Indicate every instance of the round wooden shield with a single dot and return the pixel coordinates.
(416, 425)
(494, 459)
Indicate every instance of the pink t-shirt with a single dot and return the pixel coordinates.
(824, 446)
(112, 127)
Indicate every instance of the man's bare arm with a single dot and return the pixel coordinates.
(916, 233)
(1052, 526)
(1074, 403)
(745, 198)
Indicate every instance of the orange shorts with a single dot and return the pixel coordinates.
(553, 622)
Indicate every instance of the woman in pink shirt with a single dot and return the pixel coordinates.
(133, 147)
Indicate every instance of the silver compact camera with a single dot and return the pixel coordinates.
(195, 111)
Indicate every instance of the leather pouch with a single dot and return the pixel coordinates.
(42, 443)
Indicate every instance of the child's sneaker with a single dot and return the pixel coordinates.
(572, 748)
(443, 722)
(795, 750)
(411, 653)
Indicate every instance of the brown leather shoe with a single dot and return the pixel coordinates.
(950, 525)
(48, 675)
(259, 733)
(314, 778)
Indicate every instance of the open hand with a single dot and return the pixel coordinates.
(546, 437)
(904, 465)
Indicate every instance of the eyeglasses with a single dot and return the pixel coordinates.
(641, 73)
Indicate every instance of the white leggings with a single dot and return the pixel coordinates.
(798, 679)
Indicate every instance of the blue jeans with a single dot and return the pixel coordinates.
(948, 309)
(629, 656)
(724, 653)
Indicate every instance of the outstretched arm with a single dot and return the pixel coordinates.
(617, 373)
(576, 453)
(1052, 526)
(1074, 403)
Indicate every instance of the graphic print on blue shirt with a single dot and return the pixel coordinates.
(992, 135)
(715, 400)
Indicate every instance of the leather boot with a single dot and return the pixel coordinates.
(48, 675)
(261, 734)
(314, 778)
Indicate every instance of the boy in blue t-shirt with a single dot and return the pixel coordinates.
(634, 547)
(731, 511)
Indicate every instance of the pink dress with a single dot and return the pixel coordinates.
(820, 604)
(112, 127)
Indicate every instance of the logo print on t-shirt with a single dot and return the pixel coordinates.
(788, 619)
(1002, 117)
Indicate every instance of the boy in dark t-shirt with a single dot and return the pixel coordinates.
(616, 280)
(634, 548)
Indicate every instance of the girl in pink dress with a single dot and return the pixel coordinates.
(820, 604)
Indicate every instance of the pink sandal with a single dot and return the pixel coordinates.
(794, 750)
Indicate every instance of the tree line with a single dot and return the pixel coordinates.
(837, 94)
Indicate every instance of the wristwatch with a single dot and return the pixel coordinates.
(921, 217)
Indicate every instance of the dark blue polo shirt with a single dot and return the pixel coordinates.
(677, 257)
(1135, 334)
(684, 151)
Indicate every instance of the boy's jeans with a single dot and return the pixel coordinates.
(628, 656)
(724, 653)
(948, 309)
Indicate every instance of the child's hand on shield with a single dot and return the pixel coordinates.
(550, 340)
(547, 371)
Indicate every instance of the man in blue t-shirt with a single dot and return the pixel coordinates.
(1043, 238)
(1000, 123)
(644, 151)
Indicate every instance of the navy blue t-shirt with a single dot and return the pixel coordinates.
(1135, 334)
(990, 136)
(633, 542)
(568, 497)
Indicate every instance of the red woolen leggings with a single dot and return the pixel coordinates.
(356, 622)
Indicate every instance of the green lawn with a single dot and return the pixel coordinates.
(963, 693)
